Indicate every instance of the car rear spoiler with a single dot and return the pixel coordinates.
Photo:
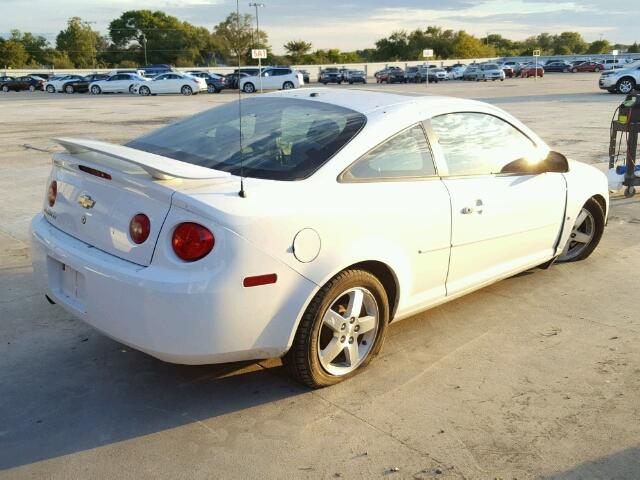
(159, 167)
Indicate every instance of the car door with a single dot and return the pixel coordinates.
(111, 84)
(159, 84)
(502, 222)
(269, 79)
(397, 181)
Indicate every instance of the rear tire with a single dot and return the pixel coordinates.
(590, 226)
(32, 88)
(96, 90)
(69, 89)
(329, 320)
(51, 89)
(290, 85)
(131, 89)
(249, 87)
(186, 90)
(144, 91)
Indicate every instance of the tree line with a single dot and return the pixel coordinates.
(141, 37)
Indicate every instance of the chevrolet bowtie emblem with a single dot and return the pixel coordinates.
(86, 201)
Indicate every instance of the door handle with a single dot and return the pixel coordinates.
(470, 210)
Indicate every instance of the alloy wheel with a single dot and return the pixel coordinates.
(348, 331)
(581, 236)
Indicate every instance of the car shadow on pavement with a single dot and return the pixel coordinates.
(622, 465)
(82, 390)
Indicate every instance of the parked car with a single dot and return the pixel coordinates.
(151, 71)
(440, 73)
(232, 79)
(133, 71)
(81, 85)
(588, 67)
(118, 83)
(455, 73)
(27, 82)
(200, 255)
(330, 75)
(490, 71)
(516, 67)
(391, 75)
(55, 84)
(5, 78)
(531, 70)
(356, 76)
(412, 75)
(215, 82)
(305, 76)
(557, 66)
(471, 72)
(343, 73)
(427, 74)
(278, 78)
(622, 80)
(173, 82)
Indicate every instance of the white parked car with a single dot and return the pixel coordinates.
(173, 82)
(440, 73)
(357, 209)
(490, 71)
(622, 80)
(275, 78)
(456, 73)
(56, 83)
(118, 83)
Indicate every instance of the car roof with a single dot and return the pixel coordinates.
(367, 101)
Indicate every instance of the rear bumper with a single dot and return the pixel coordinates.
(188, 316)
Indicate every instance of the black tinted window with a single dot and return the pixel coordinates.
(282, 138)
(406, 155)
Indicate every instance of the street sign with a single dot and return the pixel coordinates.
(258, 53)
(615, 52)
(536, 53)
(427, 52)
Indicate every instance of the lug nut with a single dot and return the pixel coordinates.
(350, 339)
(356, 328)
(352, 319)
(342, 338)
(344, 325)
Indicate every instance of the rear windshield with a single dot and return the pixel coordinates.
(282, 138)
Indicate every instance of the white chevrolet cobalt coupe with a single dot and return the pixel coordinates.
(356, 209)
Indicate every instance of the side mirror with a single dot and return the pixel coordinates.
(266, 74)
(554, 163)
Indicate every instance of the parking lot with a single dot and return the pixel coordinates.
(536, 376)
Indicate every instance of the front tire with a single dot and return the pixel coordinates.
(341, 331)
(144, 91)
(96, 90)
(586, 233)
(625, 85)
(249, 87)
(51, 89)
(69, 89)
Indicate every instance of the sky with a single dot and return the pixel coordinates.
(350, 24)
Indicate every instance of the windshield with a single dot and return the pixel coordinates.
(282, 138)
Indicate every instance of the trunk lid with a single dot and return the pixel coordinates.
(99, 193)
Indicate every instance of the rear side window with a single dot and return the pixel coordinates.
(406, 155)
(480, 144)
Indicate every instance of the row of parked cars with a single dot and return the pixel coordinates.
(138, 82)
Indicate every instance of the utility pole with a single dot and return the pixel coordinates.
(257, 42)
(143, 39)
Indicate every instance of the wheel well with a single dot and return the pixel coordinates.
(386, 276)
(627, 77)
(603, 203)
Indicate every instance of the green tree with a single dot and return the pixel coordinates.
(236, 36)
(468, 46)
(79, 42)
(297, 49)
(568, 43)
(599, 46)
(394, 47)
(12, 54)
(634, 48)
(36, 46)
(56, 59)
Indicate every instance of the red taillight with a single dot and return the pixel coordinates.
(139, 228)
(52, 193)
(93, 171)
(192, 241)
